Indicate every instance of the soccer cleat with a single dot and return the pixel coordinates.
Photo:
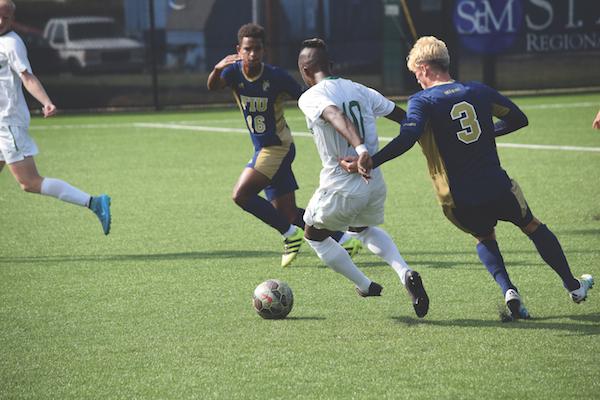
(416, 290)
(291, 246)
(101, 207)
(352, 246)
(515, 305)
(586, 282)
(374, 290)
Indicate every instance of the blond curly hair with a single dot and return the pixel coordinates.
(429, 50)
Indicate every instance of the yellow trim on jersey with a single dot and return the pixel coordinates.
(281, 127)
(269, 159)
(436, 166)
(518, 193)
(499, 111)
(262, 68)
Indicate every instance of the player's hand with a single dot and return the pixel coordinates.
(596, 123)
(49, 110)
(230, 59)
(365, 165)
(349, 164)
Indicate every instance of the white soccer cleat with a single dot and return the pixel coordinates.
(515, 305)
(586, 282)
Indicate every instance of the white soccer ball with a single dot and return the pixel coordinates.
(273, 299)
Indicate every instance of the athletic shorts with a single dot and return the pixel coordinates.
(16, 144)
(335, 211)
(480, 220)
(275, 162)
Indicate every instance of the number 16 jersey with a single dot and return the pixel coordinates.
(261, 101)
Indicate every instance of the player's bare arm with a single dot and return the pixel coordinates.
(215, 81)
(342, 124)
(35, 88)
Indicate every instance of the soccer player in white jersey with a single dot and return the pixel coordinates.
(341, 116)
(17, 148)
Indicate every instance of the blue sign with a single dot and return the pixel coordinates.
(488, 26)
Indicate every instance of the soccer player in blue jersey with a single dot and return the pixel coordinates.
(453, 122)
(259, 90)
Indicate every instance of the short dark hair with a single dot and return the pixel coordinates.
(314, 43)
(251, 30)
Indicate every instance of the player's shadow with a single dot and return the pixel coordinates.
(192, 255)
(534, 323)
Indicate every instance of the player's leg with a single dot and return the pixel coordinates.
(2, 163)
(327, 212)
(26, 174)
(245, 194)
(546, 243)
(18, 148)
(270, 170)
(338, 259)
(480, 222)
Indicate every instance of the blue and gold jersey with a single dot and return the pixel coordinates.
(454, 124)
(261, 102)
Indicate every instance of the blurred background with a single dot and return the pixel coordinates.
(158, 53)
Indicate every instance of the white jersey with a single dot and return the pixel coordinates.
(13, 61)
(362, 105)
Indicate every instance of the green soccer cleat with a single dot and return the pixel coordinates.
(352, 246)
(291, 246)
(101, 207)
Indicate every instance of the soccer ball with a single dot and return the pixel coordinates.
(273, 299)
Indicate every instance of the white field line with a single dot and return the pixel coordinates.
(381, 138)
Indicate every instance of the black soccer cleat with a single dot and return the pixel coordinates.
(374, 290)
(416, 290)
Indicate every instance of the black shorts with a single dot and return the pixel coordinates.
(480, 220)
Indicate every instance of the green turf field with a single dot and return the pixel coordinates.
(161, 308)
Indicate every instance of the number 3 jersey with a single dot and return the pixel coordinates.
(362, 106)
(453, 122)
(261, 102)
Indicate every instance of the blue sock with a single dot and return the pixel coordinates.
(264, 210)
(299, 221)
(552, 253)
(490, 256)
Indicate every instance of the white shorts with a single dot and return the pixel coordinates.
(16, 144)
(337, 211)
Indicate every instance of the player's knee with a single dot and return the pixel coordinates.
(239, 198)
(531, 227)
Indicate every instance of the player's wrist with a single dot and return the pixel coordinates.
(361, 148)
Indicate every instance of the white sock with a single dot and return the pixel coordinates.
(345, 237)
(290, 231)
(381, 244)
(65, 192)
(335, 257)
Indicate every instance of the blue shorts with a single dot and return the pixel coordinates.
(480, 220)
(275, 162)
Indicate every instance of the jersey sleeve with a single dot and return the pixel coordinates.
(290, 86)
(229, 75)
(312, 103)
(410, 131)
(510, 115)
(380, 104)
(17, 56)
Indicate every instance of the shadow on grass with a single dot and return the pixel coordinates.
(192, 255)
(533, 323)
